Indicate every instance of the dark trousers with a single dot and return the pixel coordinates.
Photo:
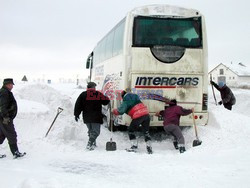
(144, 121)
(94, 130)
(175, 131)
(9, 132)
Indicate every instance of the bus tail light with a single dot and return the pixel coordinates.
(204, 101)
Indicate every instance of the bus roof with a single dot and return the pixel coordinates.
(165, 10)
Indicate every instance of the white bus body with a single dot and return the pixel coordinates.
(159, 49)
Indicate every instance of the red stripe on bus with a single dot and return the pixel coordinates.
(152, 87)
(167, 87)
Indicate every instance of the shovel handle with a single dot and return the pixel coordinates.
(213, 90)
(59, 110)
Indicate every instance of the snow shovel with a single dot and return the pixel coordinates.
(111, 145)
(59, 110)
(197, 141)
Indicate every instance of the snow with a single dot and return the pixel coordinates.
(61, 161)
(27, 106)
(163, 10)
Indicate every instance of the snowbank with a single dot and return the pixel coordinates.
(27, 107)
(46, 95)
(60, 160)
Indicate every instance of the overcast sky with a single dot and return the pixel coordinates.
(54, 37)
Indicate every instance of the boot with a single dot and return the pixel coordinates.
(18, 154)
(149, 150)
(175, 143)
(94, 144)
(182, 149)
(13, 148)
(133, 147)
(2, 156)
(90, 146)
(149, 147)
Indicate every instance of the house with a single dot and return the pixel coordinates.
(232, 74)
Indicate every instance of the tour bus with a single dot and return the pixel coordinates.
(159, 50)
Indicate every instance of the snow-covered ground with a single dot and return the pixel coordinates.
(61, 161)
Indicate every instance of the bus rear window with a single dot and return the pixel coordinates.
(151, 31)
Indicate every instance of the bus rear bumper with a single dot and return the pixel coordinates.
(201, 118)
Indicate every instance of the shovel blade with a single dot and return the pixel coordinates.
(197, 143)
(111, 146)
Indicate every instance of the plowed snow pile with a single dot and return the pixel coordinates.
(61, 161)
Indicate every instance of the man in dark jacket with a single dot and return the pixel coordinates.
(89, 103)
(171, 116)
(8, 111)
(133, 106)
(227, 96)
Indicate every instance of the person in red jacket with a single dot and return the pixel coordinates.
(133, 106)
(171, 116)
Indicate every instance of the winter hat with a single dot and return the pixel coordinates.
(91, 85)
(123, 93)
(221, 84)
(173, 102)
(8, 81)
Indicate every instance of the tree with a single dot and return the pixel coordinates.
(25, 79)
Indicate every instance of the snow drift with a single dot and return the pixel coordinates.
(60, 160)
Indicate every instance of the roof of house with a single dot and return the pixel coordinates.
(238, 68)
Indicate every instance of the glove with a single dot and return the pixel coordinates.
(157, 114)
(115, 112)
(220, 103)
(211, 82)
(167, 101)
(6, 121)
(76, 118)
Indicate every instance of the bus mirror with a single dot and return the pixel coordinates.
(89, 63)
